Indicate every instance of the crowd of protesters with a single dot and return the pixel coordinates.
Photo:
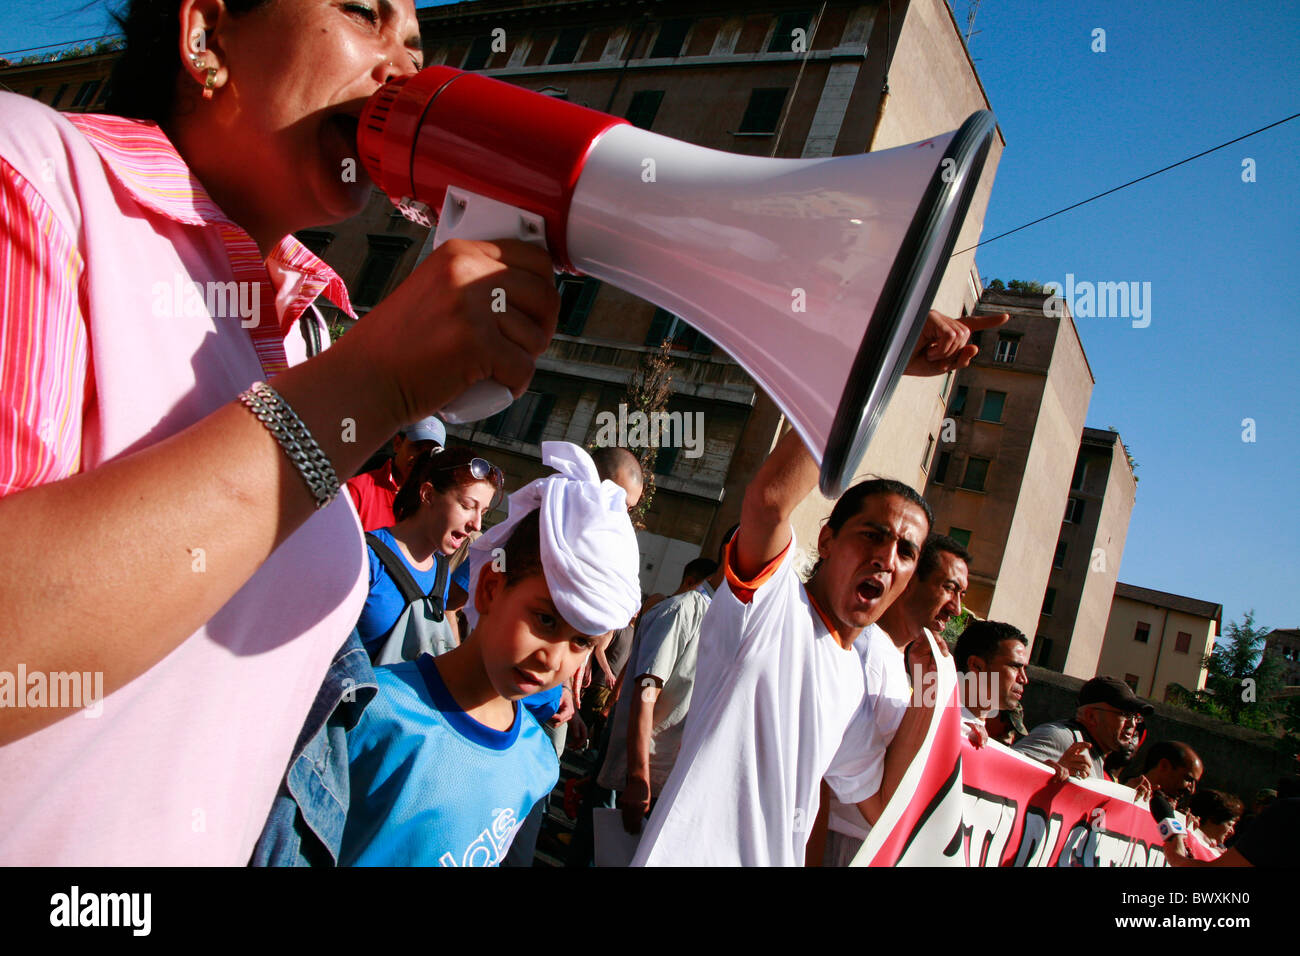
(629, 698)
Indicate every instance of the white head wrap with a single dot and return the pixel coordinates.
(589, 551)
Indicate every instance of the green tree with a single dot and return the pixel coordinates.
(956, 624)
(1022, 285)
(648, 389)
(1242, 679)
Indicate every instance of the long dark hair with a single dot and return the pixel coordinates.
(445, 469)
(143, 83)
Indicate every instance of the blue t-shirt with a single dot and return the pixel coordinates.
(384, 604)
(430, 785)
(544, 703)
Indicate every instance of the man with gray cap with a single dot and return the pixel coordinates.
(1105, 721)
(373, 491)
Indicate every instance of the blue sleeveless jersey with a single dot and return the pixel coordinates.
(430, 785)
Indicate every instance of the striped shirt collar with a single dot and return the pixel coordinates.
(138, 154)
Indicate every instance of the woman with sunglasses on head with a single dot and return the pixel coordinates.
(439, 506)
(171, 524)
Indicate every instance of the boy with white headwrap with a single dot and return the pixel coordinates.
(445, 763)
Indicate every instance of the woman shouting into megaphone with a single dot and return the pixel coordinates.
(172, 529)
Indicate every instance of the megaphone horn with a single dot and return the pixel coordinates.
(816, 275)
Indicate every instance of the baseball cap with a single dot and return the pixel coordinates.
(426, 429)
(1113, 691)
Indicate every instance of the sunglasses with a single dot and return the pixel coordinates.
(1125, 717)
(480, 469)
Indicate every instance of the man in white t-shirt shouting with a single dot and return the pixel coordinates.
(777, 678)
(931, 599)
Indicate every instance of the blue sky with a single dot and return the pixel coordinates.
(1216, 517)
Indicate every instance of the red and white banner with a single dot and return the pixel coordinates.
(959, 806)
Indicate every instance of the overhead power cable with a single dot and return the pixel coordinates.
(1131, 182)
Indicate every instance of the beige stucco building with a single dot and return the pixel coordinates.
(1085, 565)
(71, 78)
(1155, 639)
(1004, 454)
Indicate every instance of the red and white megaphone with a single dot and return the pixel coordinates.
(814, 274)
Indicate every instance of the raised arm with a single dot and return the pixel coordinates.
(787, 477)
(790, 473)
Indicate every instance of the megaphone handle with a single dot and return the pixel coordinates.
(467, 215)
(481, 400)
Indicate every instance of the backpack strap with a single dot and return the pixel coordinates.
(310, 330)
(405, 582)
(438, 593)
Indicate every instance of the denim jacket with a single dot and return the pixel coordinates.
(305, 827)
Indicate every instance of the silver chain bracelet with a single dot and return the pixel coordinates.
(282, 422)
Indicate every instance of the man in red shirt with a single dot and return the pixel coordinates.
(373, 491)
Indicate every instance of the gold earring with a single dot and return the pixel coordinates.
(210, 77)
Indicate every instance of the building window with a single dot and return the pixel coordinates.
(941, 468)
(643, 108)
(977, 469)
(961, 536)
(566, 47)
(783, 36)
(1080, 475)
(1058, 559)
(1044, 647)
(317, 240)
(58, 95)
(85, 95)
(1008, 345)
(1132, 681)
(670, 39)
(665, 458)
(36, 95)
(478, 54)
(666, 327)
(958, 407)
(377, 270)
(929, 450)
(524, 419)
(991, 409)
(576, 298)
(763, 111)
(1049, 602)
(1183, 643)
(1074, 511)
(1143, 633)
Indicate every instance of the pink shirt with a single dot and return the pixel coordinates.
(106, 348)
